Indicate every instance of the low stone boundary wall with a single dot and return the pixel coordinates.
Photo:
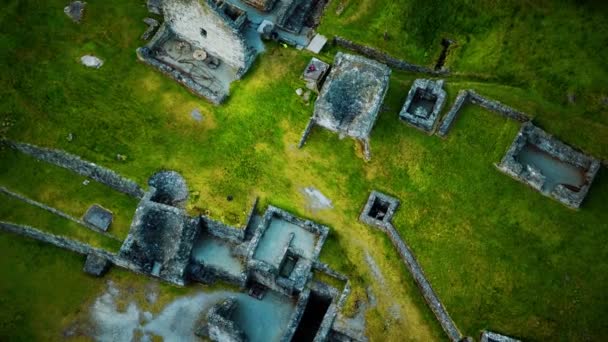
(248, 230)
(54, 211)
(69, 244)
(473, 97)
(306, 132)
(85, 168)
(383, 57)
(222, 230)
(429, 295)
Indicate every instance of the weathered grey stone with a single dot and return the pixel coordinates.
(220, 325)
(196, 115)
(423, 104)
(532, 138)
(52, 210)
(98, 216)
(152, 25)
(379, 209)
(317, 43)
(155, 6)
(488, 336)
(169, 188)
(408, 258)
(314, 74)
(82, 167)
(91, 61)
(471, 96)
(75, 10)
(96, 265)
(160, 240)
(351, 97)
(383, 57)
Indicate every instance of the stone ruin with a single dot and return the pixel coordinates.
(351, 98)
(220, 323)
(207, 44)
(379, 209)
(314, 74)
(99, 217)
(423, 104)
(488, 336)
(75, 10)
(548, 165)
(273, 257)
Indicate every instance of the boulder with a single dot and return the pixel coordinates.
(75, 10)
(91, 61)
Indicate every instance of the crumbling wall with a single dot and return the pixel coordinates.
(80, 166)
(473, 97)
(262, 5)
(188, 19)
(383, 57)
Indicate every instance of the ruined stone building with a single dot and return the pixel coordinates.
(273, 258)
(207, 44)
(351, 98)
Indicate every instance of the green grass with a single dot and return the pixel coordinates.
(64, 190)
(499, 255)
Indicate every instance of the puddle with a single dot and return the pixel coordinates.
(217, 253)
(276, 237)
(554, 170)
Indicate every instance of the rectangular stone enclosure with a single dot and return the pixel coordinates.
(423, 104)
(352, 95)
(99, 217)
(315, 73)
(548, 165)
(379, 209)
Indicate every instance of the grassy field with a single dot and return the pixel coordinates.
(499, 255)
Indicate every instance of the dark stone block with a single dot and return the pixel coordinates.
(99, 217)
(96, 265)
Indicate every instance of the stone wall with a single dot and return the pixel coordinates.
(383, 57)
(411, 264)
(429, 295)
(80, 166)
(473, 97)
(222, 230)
(54, 211)
(71, 245)
(306, 133)
(530, 134)
(188, 17)
(145, 55)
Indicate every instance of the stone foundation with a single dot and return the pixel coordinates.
(383, 57)
(80, 166)
(533, 137)
(408, 258)
(423, 104)
(471, 96)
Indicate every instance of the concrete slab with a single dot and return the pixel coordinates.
(317, 43)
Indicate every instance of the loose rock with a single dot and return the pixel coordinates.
(75, 10)
(91, 61)
(299, 91)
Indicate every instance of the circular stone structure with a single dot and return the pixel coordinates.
(171, 188)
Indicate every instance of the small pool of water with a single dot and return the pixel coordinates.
(217, 253)
(276, 238)
(555, 171)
